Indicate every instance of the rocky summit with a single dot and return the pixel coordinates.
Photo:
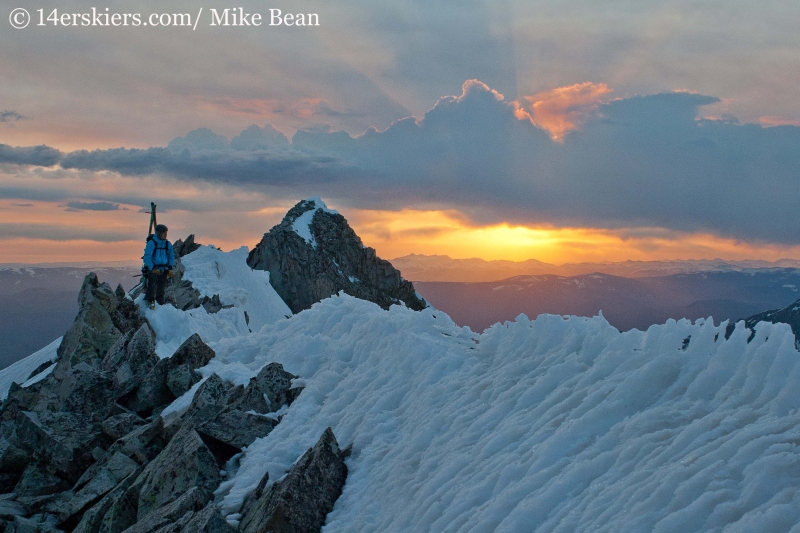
(314, 253)
(87, 446)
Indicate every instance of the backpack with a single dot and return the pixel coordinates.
(148, 239)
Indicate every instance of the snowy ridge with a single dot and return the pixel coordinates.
(548, 425)
(302, 225)
(227, 274)
(553, 424)
(20, 371)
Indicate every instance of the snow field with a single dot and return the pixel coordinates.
(21, 370)
(554, 424)
(227, 274)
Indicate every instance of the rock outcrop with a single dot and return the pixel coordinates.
(299, 502)
(313, 254)
(788, 315)
(184, 247)
(85, 449)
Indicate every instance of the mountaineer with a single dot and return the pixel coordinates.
(159, 259)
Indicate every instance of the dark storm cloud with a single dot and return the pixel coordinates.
(638, 162)
(42, 155)
(203, 157)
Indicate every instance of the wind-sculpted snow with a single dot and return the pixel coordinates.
(551, 425)
(554, 424)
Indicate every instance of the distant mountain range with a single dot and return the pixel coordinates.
(37, 304)
(625, 302)
(416, 267)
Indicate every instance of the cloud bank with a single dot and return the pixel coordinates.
(646, 161)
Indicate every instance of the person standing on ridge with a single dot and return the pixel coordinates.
(159, 260)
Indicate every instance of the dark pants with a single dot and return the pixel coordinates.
(156, 283)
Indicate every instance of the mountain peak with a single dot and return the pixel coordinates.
(314, 253)
(301, 215)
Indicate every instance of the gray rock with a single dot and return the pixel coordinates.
(145, 442)
(12, 458)
(151, 393)
(131, 358)
(237, 428)
(209, 520)
(63, 441)
(122, 512)
(37, 481)
(210, 400)
(118, 426)
(303, 274)
(185, 463)
(192, 354)
(164, 518)
(170, 378)
(115, 511)
(118, 468)
(300, 501)
(31, 525)
(82, 390)
(10, 508)
(102, 319)
(51, 505)
(185, 247)
(180, 293)
(269, 390)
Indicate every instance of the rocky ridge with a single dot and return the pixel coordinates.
(179, 291)
(788, 315)
(86, 449)
(314, 253)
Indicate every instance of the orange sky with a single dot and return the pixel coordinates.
(391, 233)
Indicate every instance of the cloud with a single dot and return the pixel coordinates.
(778, 121)
(93, 206)
(257, 138)
(11, 116)
(563, 109)
(323, 108)
(21, 205)
(56, 232)
(644, 161)
(42, 155)
(271, 166)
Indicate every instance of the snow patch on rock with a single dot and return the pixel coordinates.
(255, 302)
(20, 371)
(302, 225)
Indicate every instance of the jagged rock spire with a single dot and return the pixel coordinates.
(314, 253)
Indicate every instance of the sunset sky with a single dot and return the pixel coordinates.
(512, 129)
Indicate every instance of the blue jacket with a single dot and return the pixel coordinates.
(158, 254)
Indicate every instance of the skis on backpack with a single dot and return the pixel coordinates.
(153, 223)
